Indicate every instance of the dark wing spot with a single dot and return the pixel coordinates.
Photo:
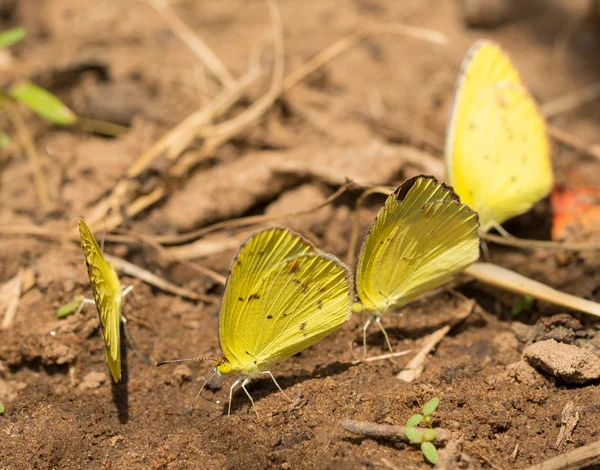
(253, 297)
(302, 326)
(320, 304)
(305, 287)
(241, 299)
(269, 317)
(293, 266)
(296, 281)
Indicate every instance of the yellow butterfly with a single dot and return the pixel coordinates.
(107, 297)
(282, 296)
(497, 151)
(420, 238)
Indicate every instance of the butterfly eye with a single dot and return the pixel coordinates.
(223, 367)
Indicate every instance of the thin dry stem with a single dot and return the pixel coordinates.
(194, 42)
(10, 294)
(387, 431)
(246, 221)
(351, 40)
(382, 357)
(216, 136)
(511, 281)
(417, 364)
(581, 457)
(544, 244)
(34, 160)
(571, 101)
(566, 138)
(132, 270)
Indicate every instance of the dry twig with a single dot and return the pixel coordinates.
(570, 418)
(194, 42)
(387, 431)
(132, 270)
(511, 281)
(582, 457)
(571, 101)
(10, 294)
(415, 367)
(32, 155)
(544, 244)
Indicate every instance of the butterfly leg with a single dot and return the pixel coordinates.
(235, 384)
(280, 389)
(244, 383)
(365, 328)
(501, 230)
(82, 304)
(387, 339)
(126, 291)
(485, 252)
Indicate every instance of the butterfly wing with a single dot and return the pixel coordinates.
(497, 151)
(107, 296)
(281, 297)
(421, 237)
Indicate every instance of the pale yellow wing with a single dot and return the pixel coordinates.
(281, 297)
(497, 151)
(422, 236)
(107, 295)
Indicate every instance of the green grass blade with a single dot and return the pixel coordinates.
(11, 36)
(5, 140)
(42, 102)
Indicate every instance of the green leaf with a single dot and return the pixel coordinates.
(42, 102)
(429, 435)
(414, 420)
(431, 406)
(1, 408)
(5, 140)
(523, 305)
(68, 309)
(430, 452)
(413, 435)
(11, 36)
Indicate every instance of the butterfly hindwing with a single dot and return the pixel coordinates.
(281, 297)
(421, 237)
(107, 296)
(497, 152)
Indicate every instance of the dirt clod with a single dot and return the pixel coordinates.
(92, 380)
(566, 362)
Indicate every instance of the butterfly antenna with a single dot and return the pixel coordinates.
(188, 359)
(103, 236)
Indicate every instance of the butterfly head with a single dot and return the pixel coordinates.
(223, 366)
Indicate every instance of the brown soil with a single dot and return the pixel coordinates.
(120, 62)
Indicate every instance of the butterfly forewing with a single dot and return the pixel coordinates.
(107, 296)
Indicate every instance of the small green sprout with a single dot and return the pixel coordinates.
(67, 309)
(424, 437)
(37, 99)
(1, 408)
(11, 36)
(5, 140)
(523, 305)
